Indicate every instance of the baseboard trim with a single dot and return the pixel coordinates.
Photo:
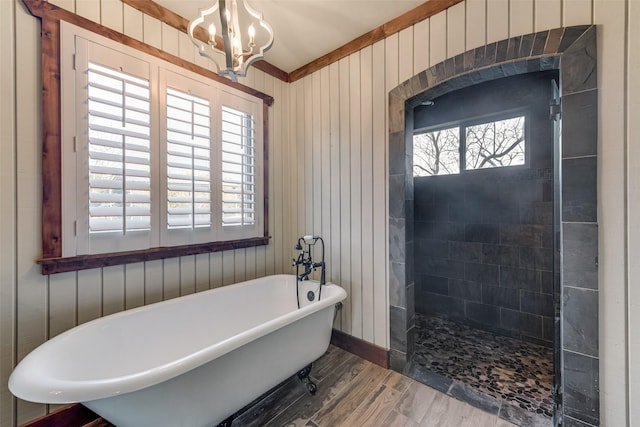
(364, 349)
(70, 416)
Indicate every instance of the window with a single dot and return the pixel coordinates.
(154, 155)
(469, 146)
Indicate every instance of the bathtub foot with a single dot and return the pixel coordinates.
(227, 422)
(304, 377)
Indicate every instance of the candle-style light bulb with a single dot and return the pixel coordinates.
(212, 34)
(252, 35)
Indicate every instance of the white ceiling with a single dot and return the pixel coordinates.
(307, 29)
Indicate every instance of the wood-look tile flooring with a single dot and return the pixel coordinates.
(354, 392)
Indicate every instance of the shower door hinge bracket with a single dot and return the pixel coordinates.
(555, 110)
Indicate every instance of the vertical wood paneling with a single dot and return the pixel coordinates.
(476, 27)
(343, 136)
(520, 17)
(48, 306)
(366, 150)
(356, 195)
(437, 38)
(240, 265)
(134, 285)
(345, 193)
(187, 275)
(69, 5)
(89, 295)
(456, 38)
(215, 270)
(170, 39)
(170, 278)
(306, 169)
(152, 31)
(260, 83)
(7, 209)
(89, 9)
(392, 61)
(405, 53)
(278, 184)
(612, 140)
(334, 247)
(153, 281)
(186, 48)
(379, 189)
(132, 22)
(301, 156)
(113, 295)
(497, 20)
(202, 272)
(548, 14)
(315, 165)
(325, 171)
(228, 267)
(578, 12)
(111, 14)
(269, 250)
(290, 178)
(633, 133)
(250, 263)
(62, 303)
(420, 47)
(32, 310)
(391, 81)
(298, 147)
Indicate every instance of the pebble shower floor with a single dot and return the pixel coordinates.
(508, 369)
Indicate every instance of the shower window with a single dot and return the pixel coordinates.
(470, 145)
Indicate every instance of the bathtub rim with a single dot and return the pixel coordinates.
(30, 380)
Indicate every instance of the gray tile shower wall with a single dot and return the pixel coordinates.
(571, 51)
(487, 274)
(484, 239)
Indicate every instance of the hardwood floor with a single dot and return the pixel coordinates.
(354, 392)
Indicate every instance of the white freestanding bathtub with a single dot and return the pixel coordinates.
(190, 361)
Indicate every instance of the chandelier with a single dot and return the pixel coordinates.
(238, 56)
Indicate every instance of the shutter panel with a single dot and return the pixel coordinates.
(119, 151)
(188, 161)
(238, 168)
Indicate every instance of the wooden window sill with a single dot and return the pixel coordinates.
(85, 262)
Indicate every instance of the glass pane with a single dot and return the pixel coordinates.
(495, 144)
(436, 153)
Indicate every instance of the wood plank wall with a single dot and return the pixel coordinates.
(328, 158)
(35, 307)
(341, 120)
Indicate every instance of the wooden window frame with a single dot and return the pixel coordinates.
(52, 260)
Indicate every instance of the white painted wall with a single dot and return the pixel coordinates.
(328, 154)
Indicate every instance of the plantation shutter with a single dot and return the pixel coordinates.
(113, 141)
(188, 161)
(119, 151)
(154, 155)
(238, 168)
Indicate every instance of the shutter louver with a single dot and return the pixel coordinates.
(238, 168)
(188, 161)
(119, 151)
